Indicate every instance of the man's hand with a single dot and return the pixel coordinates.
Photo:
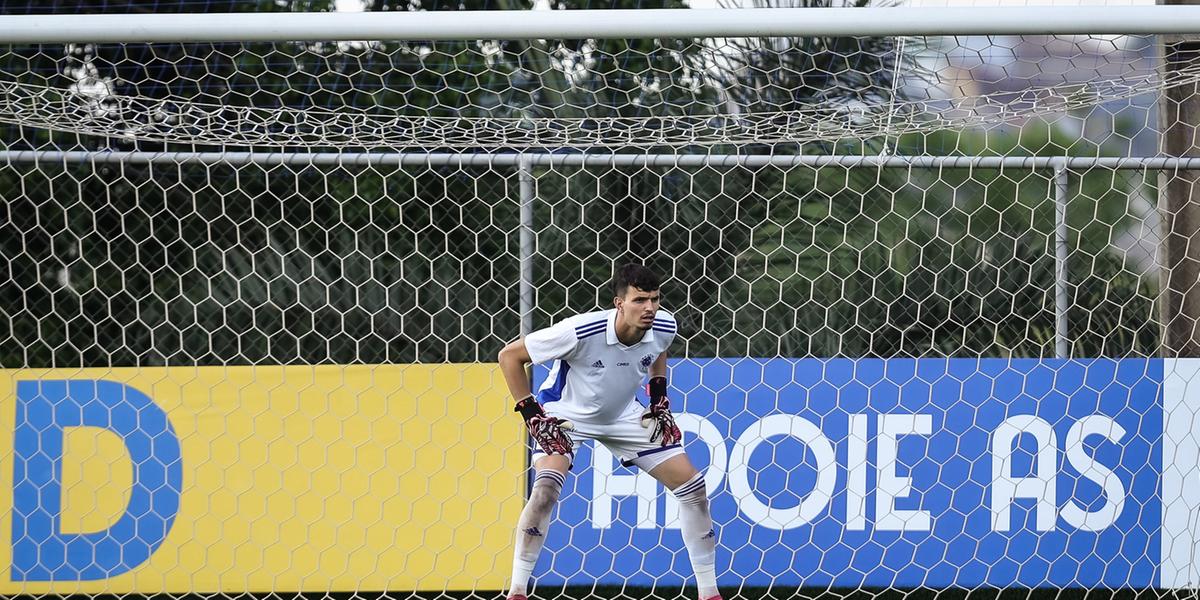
(659, 415)
(549, 432)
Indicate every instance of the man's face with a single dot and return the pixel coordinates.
(637, 307)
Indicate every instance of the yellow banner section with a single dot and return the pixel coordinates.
(405, 477)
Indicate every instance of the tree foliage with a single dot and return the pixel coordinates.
(135, 264)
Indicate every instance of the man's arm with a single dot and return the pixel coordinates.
(513, 359)
(659, 368)
(546, 430)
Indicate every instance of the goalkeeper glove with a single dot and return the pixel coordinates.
(549, 432)
(658, 414)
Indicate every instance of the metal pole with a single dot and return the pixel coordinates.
(525, 174)
(525, 178)
(1062, 348)
(1179, 198)
(545, 159)
(595, 24)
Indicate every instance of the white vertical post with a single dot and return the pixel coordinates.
(1062, 347)
(525, 175)
(525, 291)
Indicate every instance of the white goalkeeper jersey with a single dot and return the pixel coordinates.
(594, 377)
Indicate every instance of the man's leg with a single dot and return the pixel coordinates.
(535, 518)
(679, 476)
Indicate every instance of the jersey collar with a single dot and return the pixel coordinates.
(611, 331)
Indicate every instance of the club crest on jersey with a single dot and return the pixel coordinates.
(646, 360)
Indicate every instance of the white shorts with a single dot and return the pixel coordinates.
(626, 439)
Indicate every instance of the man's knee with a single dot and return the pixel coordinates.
(547, 486)
(543, 497)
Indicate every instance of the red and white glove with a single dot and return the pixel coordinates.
(658, 415)
(549, 432)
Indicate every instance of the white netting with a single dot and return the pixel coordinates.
(582, 93)
(96, 108)
(232, 374)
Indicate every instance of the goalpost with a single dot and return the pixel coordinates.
(933, 271)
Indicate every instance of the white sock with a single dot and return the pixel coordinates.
(698, 534)
(531, 527)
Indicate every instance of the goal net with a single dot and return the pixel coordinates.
(937, 328)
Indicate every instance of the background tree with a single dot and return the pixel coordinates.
(122, 264)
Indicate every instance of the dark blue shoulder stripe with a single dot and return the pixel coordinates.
(589, 326)
(590, 334)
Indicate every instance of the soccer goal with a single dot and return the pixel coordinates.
(934, 273)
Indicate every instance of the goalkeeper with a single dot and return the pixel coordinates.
(599, 360)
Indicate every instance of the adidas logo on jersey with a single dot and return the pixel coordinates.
(598, 364)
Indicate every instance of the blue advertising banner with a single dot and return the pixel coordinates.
(898, 472)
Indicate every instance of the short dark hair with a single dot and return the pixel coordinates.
(638, 276)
